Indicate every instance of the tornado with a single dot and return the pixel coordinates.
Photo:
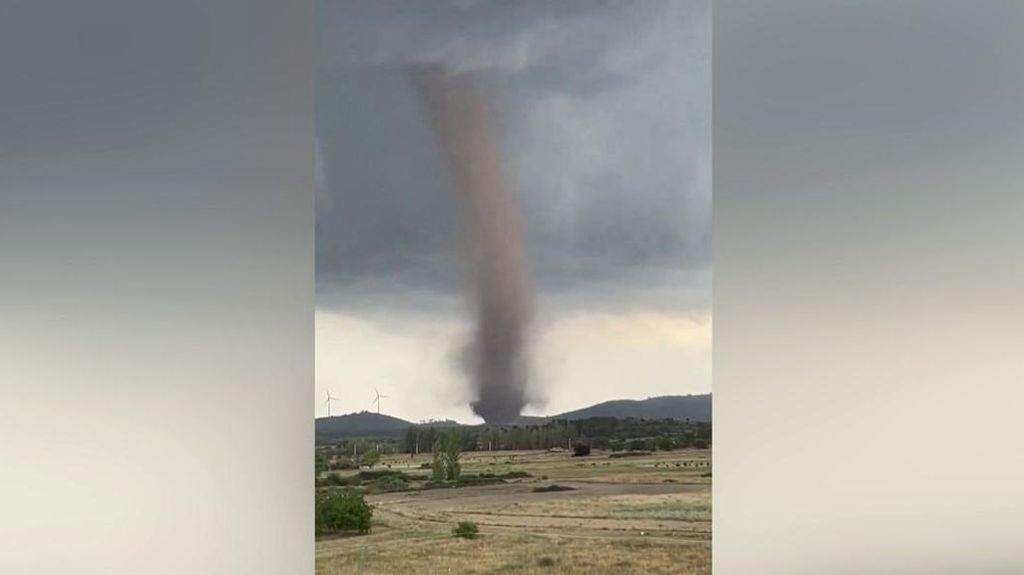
(497, 353)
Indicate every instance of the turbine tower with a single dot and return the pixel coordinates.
(378, 398)
(330, 398)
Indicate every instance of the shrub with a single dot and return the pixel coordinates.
(346, 511)
(700, 443)
(369, 474)
(466, 530)
(552, 487)
(580, 449)
(546, 562)
(391, 483)
(474, 480)
(640, 445)
(340, 480)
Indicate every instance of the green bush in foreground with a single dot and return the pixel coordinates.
(346, 511)
(466, 530)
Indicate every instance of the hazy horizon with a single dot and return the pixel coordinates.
(383, 412)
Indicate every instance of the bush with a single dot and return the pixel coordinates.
(640, 445)
(474, 480)
(466, 530)
(391, 483)
(340, 480)
(552, 487)
(368, 474)
(700, 443)
(346, 511)
(546, 562)
(580, 450)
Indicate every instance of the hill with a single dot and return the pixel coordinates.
(693, 407)
(368, 424)
(363, 424)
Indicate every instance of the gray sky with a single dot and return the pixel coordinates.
(603, 113)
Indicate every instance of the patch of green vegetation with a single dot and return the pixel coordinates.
(391, 483)
(369, 475)
(466, 530)
(506, 475)
(341, 512)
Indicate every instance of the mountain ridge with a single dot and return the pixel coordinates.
(370, 424)
(693, 407)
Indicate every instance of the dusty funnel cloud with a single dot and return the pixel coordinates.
(497, 354)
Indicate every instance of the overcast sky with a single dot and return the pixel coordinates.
(603, 114)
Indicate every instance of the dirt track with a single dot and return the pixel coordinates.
(440, 508)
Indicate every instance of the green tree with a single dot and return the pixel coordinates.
(410, 439)
(447, 450)
(370, 458)
(346, 511)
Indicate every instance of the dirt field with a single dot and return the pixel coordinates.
(647, 514)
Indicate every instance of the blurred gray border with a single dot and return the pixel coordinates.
(867, 233)
(156, 255)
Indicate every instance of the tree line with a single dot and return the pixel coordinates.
(598, 432)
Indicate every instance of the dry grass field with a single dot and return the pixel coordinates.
(647, 514)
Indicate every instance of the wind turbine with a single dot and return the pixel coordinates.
(377, 399)
(330, 398)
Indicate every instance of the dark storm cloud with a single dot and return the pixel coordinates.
(605, 130)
